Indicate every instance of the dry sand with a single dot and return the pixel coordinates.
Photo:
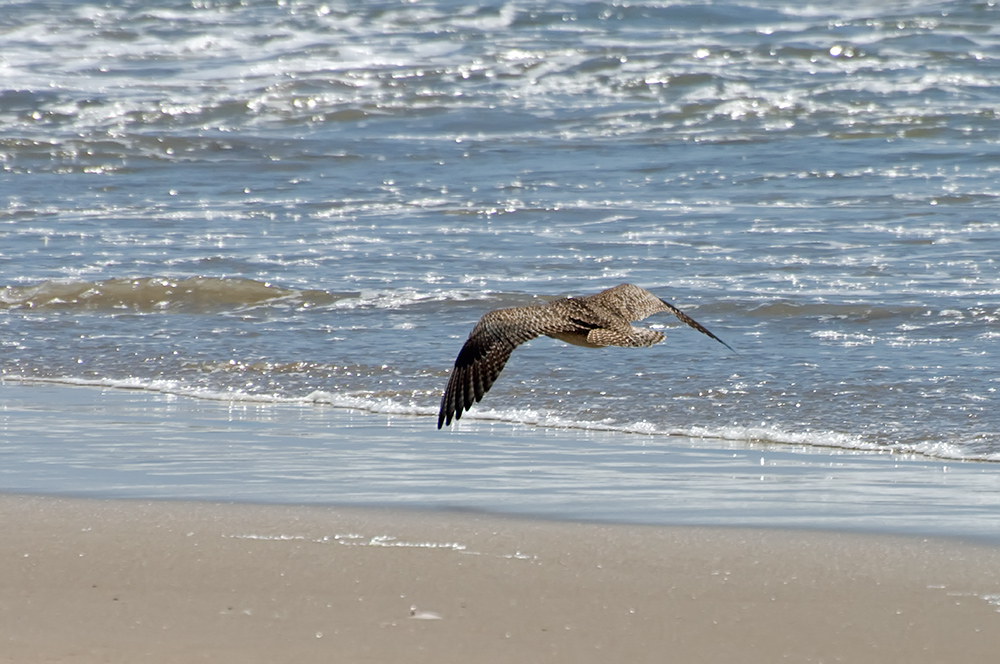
(127, 581)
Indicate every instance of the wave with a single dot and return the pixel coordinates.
(155, 294)
(281, 64)
(206, 295)
(210, 295)
(406, 405)
(740, 436)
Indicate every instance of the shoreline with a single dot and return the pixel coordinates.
(471, 421)
(118, 581)
(135, 444)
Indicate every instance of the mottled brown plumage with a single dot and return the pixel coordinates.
(593, 321)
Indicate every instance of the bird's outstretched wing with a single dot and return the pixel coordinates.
(635, 304)
(485, 353)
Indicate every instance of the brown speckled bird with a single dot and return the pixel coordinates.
(593, 321)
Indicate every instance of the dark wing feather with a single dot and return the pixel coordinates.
(684, 318)
(485, 353)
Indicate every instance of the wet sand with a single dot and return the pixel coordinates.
(126, 581)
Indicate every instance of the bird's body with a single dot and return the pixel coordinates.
(593, 321)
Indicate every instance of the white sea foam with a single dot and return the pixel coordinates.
(719, 435)
(400, 298)
(355, 539)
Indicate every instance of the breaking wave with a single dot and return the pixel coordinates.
(398, 403)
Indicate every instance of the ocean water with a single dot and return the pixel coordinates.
(295, 202)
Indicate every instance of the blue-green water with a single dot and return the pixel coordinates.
(296, 202)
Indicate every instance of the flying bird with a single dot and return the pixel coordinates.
(592, 321)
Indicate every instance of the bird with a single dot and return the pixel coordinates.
(591, 321)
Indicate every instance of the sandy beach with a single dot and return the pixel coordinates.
(127, 581)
